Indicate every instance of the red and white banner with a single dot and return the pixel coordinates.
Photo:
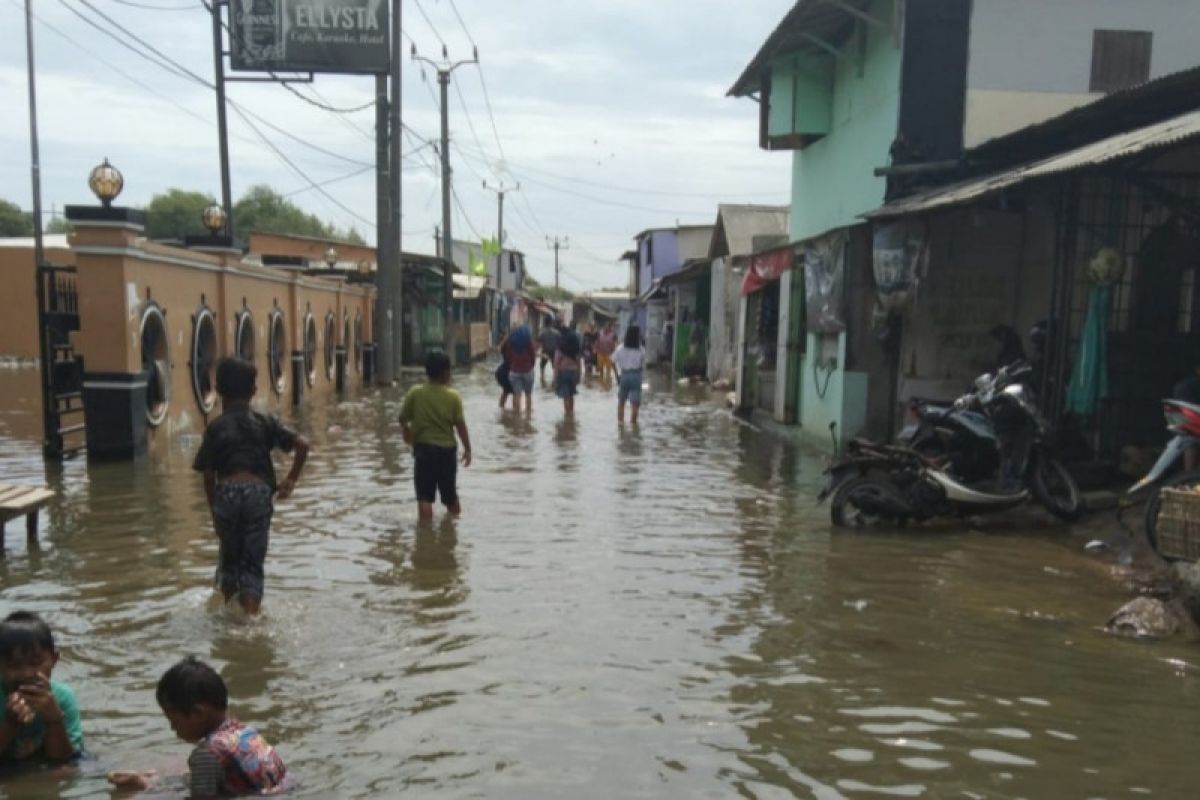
(767, 267)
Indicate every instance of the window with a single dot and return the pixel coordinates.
(330, 344)
(245, 336)
(1120, 59)
(310, 349)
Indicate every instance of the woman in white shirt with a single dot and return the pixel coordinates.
(630, 360)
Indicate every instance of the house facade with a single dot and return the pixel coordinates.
(873, 98)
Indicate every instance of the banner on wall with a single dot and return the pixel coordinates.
(767, 267)
(349, 36)
(900, 252)
(825, 283)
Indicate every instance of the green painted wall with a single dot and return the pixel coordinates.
(833, 178)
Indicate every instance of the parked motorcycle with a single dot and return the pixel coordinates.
(1183, 420)
(988, 452)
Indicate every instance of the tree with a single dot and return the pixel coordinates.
(59, 225)
(175, 214)
(14, 221)
(547, 292)
(263, 209)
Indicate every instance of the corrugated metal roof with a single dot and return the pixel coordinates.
(743, 224)
(1162, 134)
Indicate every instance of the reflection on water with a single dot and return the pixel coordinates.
(652, 611)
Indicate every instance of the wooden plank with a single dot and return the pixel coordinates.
(25, 500)
(10, 491)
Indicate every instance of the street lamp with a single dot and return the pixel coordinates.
(106, 183)
(214, 218)
(331, 257)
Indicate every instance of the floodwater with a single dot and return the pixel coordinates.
(621, 613)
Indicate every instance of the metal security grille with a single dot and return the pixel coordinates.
(1152, 220)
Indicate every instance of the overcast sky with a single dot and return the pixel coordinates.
(611, 114)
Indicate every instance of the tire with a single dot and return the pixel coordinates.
(1154, 503)
(1055, 489)
(845, 511)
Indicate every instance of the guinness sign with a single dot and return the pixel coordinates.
(309, 35)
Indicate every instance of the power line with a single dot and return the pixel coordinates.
(482, 80)
(463, 212)
(144, 43)
(429, 22)
(149, 7)
(338, 179)
(303, 175)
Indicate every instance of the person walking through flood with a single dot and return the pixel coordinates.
(506, 387)
(606, 345)
(568, 363)
(548, 339)
(519, 351)
(432, 413)
(630, 360)
(239, 480)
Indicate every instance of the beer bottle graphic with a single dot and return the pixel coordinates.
(260, 29)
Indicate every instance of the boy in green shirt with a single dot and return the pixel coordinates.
(431, 414)
(41, 717)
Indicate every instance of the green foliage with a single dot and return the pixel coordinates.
(176, 214)
(59, 225)
(265, 210)
(14, 221)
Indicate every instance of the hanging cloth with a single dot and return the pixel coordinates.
(1089, 380)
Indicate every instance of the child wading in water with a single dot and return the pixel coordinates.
(230, 758)
(567, 364)
(41, 717)
(430, 416)
(629, 360)
(239, 480)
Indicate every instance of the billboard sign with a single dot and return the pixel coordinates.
(309, 35)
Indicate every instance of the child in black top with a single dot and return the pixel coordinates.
(239, 480)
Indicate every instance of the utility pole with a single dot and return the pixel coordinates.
(222, 124)
(557, 244)
(500, 192)
(444, 70)
(396, 245)
(385, 313)
(51, 441)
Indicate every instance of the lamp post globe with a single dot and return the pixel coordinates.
(213, 218)
(106, 182)
(331, 257)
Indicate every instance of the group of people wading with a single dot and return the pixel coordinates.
(571, 357)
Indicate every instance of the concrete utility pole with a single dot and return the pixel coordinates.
(222, 124)
(385, 311)
(557, 244)
(500, 192)
(444, 70)
(389, 279)
(395, 231)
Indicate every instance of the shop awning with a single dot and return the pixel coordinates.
(690, 272)
(1174, 131)
(656, 289)
(766, 267)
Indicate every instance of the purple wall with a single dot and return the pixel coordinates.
(664, 260)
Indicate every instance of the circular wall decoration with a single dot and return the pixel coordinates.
(156, 363)
(204, 358)
(310, 349)
(277, 356)
(330, 344)
(244, 337)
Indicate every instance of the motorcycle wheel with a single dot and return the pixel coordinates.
(1055, 489)
(846, 511)
(1154, 503)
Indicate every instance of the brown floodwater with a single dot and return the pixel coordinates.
(661, 612)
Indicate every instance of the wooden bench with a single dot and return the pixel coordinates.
(16, 501)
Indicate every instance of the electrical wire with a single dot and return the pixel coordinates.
(149, 7)
(429, 22)
(301, 173)
(338, 179)
(487, 98)
(245, 114)
(463, 211)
